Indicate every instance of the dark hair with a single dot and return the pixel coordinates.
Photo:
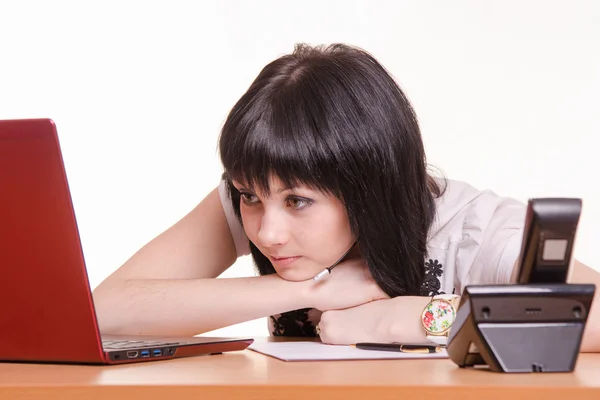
(333, 119)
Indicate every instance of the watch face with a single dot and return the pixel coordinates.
(438, 316)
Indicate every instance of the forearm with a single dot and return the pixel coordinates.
(591, 336)
(384, 321)
(403, 322)
(192, 306)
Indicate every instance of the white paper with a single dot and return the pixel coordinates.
(315, 351)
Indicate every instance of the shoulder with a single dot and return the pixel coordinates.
(462, 204)
(479, 232)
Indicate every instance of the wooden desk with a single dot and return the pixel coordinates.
(250, 375)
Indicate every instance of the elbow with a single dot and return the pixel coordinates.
(591, 339)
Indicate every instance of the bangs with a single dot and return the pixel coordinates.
(281, 142)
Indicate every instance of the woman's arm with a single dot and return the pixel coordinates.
(591, 337)
(169, 286)
(187, 307)
(398, 319)
(382, 321)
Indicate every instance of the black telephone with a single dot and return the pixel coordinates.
(537, 324)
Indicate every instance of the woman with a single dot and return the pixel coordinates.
(323, 161)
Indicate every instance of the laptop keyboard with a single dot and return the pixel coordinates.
(134, 344)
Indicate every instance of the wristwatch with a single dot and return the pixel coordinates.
(438, 316)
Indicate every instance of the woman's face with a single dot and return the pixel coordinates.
(300, 230)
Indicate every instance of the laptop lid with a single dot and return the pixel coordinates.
(46, 301)
(47, 309)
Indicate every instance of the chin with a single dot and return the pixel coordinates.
(294, 275)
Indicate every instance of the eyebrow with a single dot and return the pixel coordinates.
(283, 189)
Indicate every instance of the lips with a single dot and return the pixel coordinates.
(283, 261)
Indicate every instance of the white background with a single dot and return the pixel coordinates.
(507, 92)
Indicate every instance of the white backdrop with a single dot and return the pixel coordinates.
(507, 93)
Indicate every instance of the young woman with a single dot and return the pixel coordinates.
(323, 162)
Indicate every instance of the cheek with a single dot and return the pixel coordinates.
(338, 223)
(251, 222)
(330, 232)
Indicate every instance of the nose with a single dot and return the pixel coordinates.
(273, 230)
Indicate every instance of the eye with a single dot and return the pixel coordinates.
(248, 198)
(298, 203)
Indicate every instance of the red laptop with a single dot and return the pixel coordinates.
(46, 308)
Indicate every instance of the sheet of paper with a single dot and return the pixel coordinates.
(315, 351)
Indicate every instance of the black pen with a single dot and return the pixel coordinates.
(403, 348)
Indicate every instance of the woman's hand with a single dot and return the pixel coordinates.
(382, 321)
(350, 284)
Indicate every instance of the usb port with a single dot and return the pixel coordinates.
(145, 353)
(157, 352)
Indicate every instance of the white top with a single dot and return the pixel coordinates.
(475, 238)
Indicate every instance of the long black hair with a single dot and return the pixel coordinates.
(332, 118)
